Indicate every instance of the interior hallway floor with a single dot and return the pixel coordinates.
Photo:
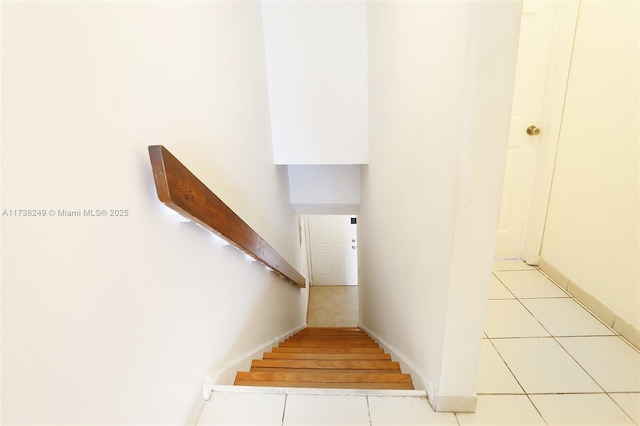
(333, 306)
(545, 359)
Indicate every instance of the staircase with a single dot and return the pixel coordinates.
(326, 358)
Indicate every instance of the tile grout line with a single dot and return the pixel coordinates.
(572, 357)
(554, 338)
(519, 384)
(535, 407)
(565, 349)
(369, 410)
(505, 286)
(594, 380)
(551, 393)
(579, 303)
(564, 336)
(621, 408)
(505, 362)
(560, 344)
(508, 368)
(566, 293)
(284, 409)
(628, 343)
(616, 334)
(533, 298)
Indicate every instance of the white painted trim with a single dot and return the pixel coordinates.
(417, 376)
(439, 402)
(195, 407)
(599, 309)
(318, 391)
(307, 239)
(553, 105)
(226, 374)
(455, 404)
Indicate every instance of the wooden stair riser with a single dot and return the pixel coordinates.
(377, 386)
(339, 338)
(325, 377)
(338, 334)
(293, 355)
(327, 364)
(331, 335)
(331, 329)
(333, 350)
(327, 343)
(328, 337)
(345, 358)
(353, 342)
(319, 370)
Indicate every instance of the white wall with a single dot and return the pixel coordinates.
(441, 81)
(325, 189)
(317, 71)
(591, 234)
(117, 320)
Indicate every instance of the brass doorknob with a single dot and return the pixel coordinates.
(533, 130)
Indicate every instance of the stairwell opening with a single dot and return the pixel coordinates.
(332, 247)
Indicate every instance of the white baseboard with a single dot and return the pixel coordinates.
(455, 403)
(599, 309)
(319, 391)
(195, 407)
(418, 378)
(439, 402)
(225, 375)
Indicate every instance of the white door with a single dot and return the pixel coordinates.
(540, 18)
(334, 250)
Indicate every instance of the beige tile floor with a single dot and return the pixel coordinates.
(545, 360)
(333, 306)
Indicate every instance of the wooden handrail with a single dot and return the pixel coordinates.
(180, 190)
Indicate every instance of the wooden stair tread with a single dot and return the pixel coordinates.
(331, 333)
(332, 350)
(325, 377)
(394, 386)
(327, 364)
(329, 337)
(347, 335)
(320, 370)
(323, 357)
(313, 355)
(330, 329)
(328, 343)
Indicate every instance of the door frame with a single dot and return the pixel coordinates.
(307, 240)
(564, 28)
(306, 230)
